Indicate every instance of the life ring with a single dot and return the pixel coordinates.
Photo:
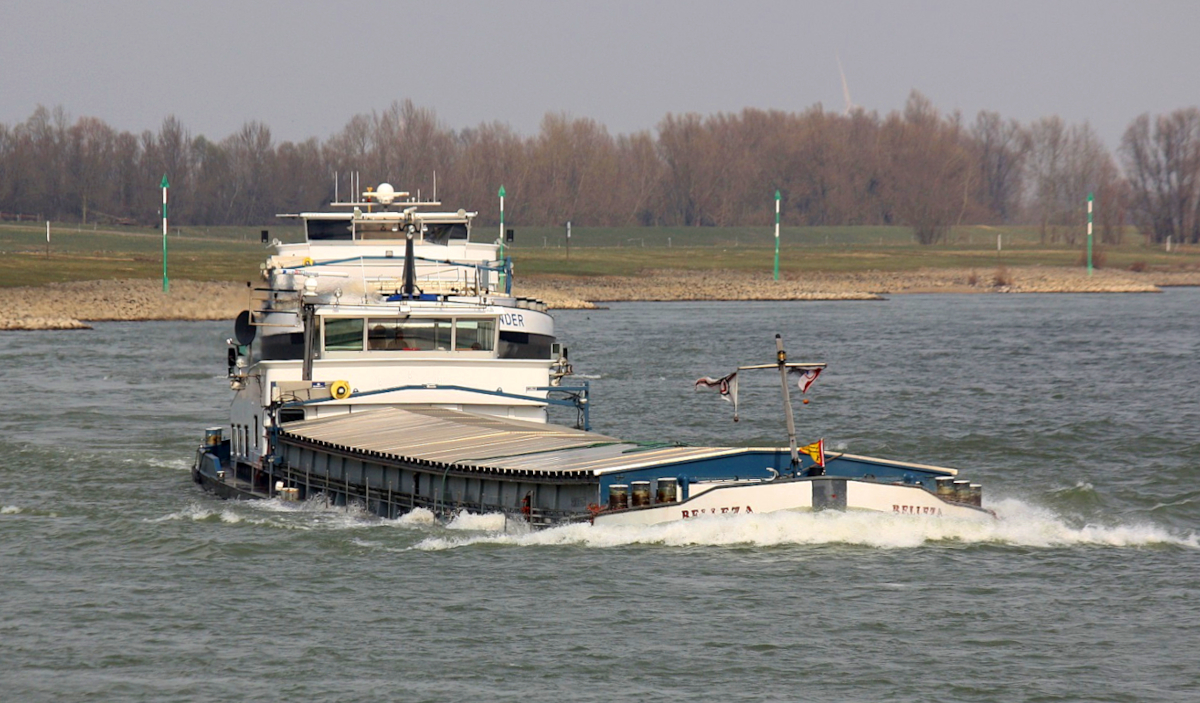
(340, 390)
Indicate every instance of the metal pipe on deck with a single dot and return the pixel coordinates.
(781, 360)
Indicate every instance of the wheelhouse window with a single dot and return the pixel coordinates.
(523, 345)
(384, 334)
(474, 335)
(343, 334)
(410, 334)
(328, 229)
(426, 334)
(444, 232)
(378, 230)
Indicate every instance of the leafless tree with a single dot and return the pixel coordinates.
(929, 169)
(1163, 164)
(1002, 147)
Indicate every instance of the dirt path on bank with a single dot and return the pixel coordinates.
(68, 305)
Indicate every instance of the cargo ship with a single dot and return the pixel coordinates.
(385, 362)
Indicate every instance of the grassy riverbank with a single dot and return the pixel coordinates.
(234, 253)
(95, 273)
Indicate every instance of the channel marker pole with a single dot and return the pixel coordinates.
(501, 194)
(776, 235)
(166, 281)
(1089, 234)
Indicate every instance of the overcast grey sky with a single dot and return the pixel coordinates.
(305, 67)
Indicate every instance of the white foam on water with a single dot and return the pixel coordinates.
(491, 522)
(1018, 524)
(418, 517)
(317, 513)
(196, 513)
(10, 510)
(172, 463)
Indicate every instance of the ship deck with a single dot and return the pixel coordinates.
(444, 439)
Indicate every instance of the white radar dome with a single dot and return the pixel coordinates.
(385, 193)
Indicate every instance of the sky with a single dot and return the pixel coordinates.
(305, 67)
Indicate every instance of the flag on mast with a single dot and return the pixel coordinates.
(816, 450)
(727, 385)
(806, 377)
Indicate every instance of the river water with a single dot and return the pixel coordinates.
(1080, 415)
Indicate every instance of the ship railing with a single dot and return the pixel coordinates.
(443, 281)
(478, 272)
(564, 396)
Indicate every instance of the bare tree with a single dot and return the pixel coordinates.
(929, 169)
(90, 157)
(691, 171)
(251, 166)
(1163, 165)
(1002, 148)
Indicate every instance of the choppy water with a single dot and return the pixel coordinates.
(119, 580)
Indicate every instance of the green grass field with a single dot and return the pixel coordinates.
(234, 253)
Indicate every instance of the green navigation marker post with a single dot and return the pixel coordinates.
(1089, 234)
(776, 235)
(166, 282)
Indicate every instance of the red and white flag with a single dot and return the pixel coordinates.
(807, 376)
(727, 387)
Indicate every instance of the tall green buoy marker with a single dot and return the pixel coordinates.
(166, 282)
(776, 235)
(1089, 234)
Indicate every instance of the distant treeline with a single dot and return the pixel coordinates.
(916, 167)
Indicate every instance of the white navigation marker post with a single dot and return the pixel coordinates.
(166, 281)
(1089, 234)
(501, 240)
(501, 194)
(777, 235)
(47, 239)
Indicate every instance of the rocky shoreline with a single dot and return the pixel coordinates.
(68, 305)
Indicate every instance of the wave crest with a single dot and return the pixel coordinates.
(1018, 524)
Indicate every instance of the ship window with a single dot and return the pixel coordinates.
(474, 335)
(390, 333)
(288, 345)
(328, 229)
(344, 334)
(523, 345)
(378, 230)
(425, 334)
(382, 334)
(443, 232)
